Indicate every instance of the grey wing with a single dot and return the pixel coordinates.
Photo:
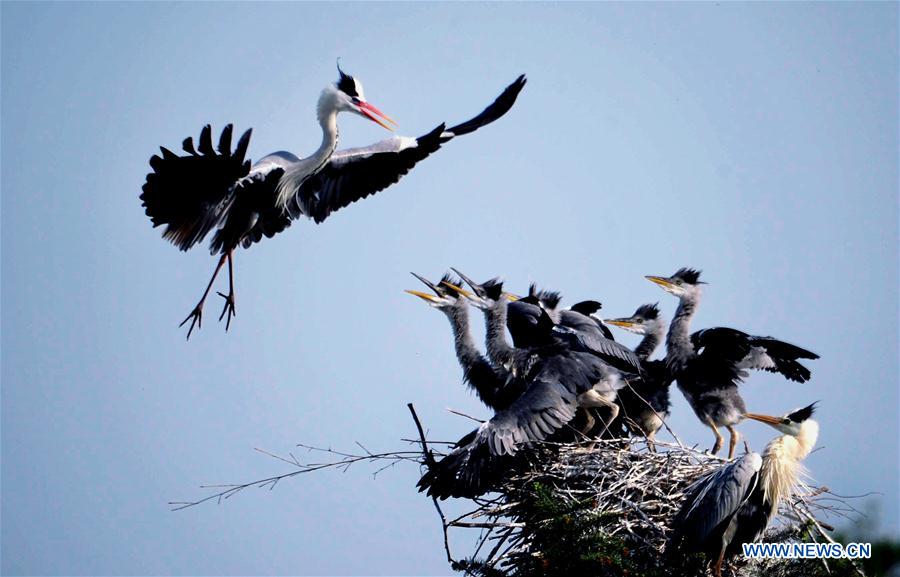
(352, 175)
(616, 354)
(545, 407)
(715, 498)
(355, 174)
(776, 356)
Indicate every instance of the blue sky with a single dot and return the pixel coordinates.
(757, 142)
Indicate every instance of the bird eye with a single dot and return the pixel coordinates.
(355, 100)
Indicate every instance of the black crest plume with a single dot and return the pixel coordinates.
(688, 275)
(803, 414)
(549, 299)
(650, 311)
(346, 83)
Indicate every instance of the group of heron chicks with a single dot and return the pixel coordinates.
(564, 377)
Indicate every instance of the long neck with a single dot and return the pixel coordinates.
(650, 341)
(678, 341)
(296, 174)
(466, 353)
(327, 115)
(498, 348)
(781, 469)
(477, 370)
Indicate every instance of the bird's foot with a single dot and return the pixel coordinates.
(228, 309)
(196, 318)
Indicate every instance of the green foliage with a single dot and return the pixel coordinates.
(567, 540)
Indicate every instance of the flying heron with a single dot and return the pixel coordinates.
(217, 187)
(708, 365)
(735, 504)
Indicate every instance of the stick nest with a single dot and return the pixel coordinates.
(604, 508)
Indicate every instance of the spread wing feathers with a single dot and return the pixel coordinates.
(189, 193)
(495, 110)
(714, 499)
(468, 471)
(615, 354)
(352, 175)
(545, 407)
(740, 351)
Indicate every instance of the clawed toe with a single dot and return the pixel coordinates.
(228, 309)
(196, 318)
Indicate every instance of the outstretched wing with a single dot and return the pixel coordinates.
(189, 194)
(714, 499)
(776, 356)
(544, 408)
(734, 351)
(357, 173)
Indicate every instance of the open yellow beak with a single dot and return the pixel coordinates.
(660, 281)
(457, 289)
(765, 419)
(424, 296)
(619, 323)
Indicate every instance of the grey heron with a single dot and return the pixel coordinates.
(490, 298)
(708, 365)
(645, 402)
(217, 187)
(495, 386)
(734, 504)
(561, 373)
(558, 377)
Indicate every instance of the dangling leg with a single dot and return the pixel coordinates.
(196, 316)
(733, 441)
(719, 439)
(229, 299)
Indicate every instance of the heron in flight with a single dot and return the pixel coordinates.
(217, 187)
(735, 504)
(645, 402)
(708, 365)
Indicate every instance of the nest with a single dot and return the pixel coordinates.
(600, 508)
(604, 508)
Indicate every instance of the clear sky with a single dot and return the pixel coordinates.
(757, 142)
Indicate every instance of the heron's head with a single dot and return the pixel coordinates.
(684, 283)
(794, 424)
(549, 300)
(446, 293)
(485, 295)
(644, 321)
(347, 95)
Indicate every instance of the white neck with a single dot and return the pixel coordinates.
(781, 467)
(296, 174)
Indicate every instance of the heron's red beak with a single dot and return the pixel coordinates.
(372, 113)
